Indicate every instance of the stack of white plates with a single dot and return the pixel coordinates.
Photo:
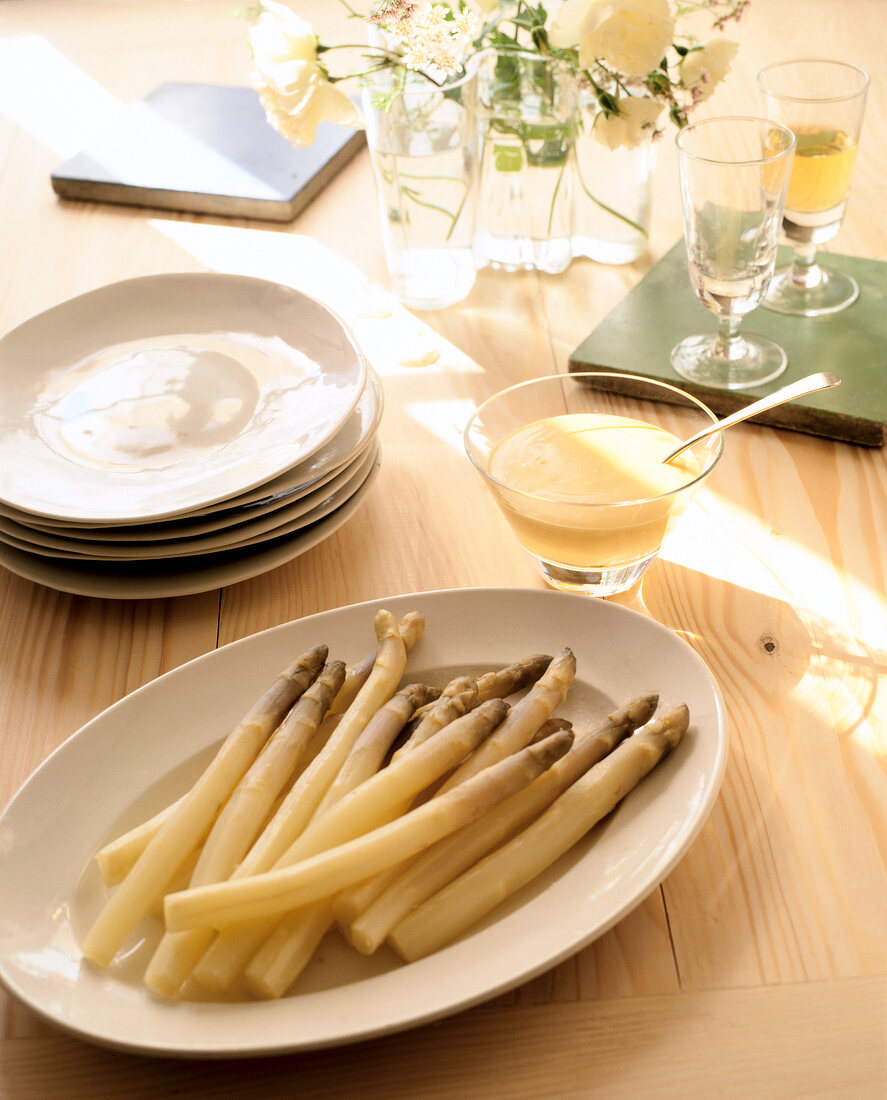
(175, 433)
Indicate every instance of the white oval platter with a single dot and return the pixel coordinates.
(147, 748)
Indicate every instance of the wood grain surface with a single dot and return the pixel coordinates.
(758, 968)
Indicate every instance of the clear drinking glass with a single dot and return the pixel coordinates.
(612, 193)
(734, 174)
(823, 103)
(574, 462)
(526, 109)
(423, 152)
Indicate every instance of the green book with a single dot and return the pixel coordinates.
(637, 337)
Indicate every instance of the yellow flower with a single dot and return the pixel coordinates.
(292, 87)
(635, 123)
(702, 70)
(629, 36)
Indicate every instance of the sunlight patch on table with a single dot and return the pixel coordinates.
(841, 673)
(718, 539)
(393, 339)
(721, 539)
(444, 419)
(67, 120)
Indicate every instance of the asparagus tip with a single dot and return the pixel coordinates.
(673, 723)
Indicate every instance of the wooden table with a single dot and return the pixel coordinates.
(759, 969)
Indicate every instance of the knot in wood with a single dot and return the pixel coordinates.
(768, 643)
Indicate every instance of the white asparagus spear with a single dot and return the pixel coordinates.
(388, 793)
(247, 808)
(303, 930)
(320, 876)
(447, 859)
(456, 686)
(375, 802)
(454, 909)
(411, 627)
(350, 903)
(226, 956)
(306, 794)
(314, 746)
(514, 677)
(240, 821)
(526, 716)
(435, 715)
(287, 950)
(117, 857)
(497, 684)
(371, 748)
(182, 831)
(181, 881)
(355, 677)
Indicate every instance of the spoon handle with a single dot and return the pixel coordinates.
(810, 384)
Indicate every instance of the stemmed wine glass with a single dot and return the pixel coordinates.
(823, 103)
(734, 173)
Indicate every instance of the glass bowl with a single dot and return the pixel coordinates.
(574, 461)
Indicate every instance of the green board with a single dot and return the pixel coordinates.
(638, 335)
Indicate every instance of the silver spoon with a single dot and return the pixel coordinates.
(803, 386)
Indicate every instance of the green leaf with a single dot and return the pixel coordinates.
(508, 158)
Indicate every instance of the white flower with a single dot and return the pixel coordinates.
(280, 35)
(292, 86)
(702, 70)
(629, 36)
(300, 98)
(635, 123)
(431, 35)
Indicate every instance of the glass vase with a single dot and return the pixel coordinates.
(612, 197)
(526, 115)
(421, 139)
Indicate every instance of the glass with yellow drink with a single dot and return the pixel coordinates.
(576, 467)
(823, 103)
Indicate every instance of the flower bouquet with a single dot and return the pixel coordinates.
(505, 108)
(634, 66)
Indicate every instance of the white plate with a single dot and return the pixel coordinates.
(168, 532)
(353, 437)
(346, 445)
(157, 395)
(148, 580)
(133, 758)
(205, 535)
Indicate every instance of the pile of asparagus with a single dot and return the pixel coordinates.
(399, 814)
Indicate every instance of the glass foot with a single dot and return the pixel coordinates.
(595, 582)
(696, 360)
(834, 292)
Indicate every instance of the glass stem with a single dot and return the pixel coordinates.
(805, 273)
(728, 343)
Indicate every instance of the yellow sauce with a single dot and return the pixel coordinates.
(589, 490)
